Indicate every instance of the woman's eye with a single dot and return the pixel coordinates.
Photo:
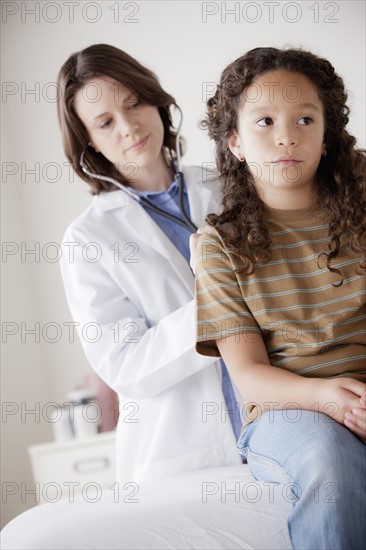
(267, 121)
(306, 120)
(135, 105)
(105, 124)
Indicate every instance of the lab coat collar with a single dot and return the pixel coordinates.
(109, 200)
(201, 202)
(200, 196)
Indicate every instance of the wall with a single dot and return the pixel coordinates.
(187, 44)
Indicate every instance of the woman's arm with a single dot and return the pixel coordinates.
(133, 358)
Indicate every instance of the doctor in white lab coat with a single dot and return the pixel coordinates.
(129, 289)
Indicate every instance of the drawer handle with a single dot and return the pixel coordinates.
(91, 465)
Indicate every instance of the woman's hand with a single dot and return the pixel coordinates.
(193, 245)
(344, 400)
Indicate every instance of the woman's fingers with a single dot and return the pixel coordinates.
(193, 242)
(203, 229)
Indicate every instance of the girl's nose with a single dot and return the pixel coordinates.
(286, 137)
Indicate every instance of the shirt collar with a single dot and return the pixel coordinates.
(159, 196)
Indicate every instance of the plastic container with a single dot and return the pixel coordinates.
(62, 426)
(85, 413)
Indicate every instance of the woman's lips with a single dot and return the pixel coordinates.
(139, 144)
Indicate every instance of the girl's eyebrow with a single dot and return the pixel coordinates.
(309, 106)
(272, 106)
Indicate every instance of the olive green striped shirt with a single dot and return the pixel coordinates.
(309, 326)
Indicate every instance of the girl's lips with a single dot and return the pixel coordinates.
(287, 162)
(139, 144)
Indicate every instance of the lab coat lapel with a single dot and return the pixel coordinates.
(202, 200)
(137, 219)
(147, 230)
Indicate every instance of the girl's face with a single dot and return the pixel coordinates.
(281, 136)
(127, 132)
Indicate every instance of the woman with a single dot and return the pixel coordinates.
(126, 268)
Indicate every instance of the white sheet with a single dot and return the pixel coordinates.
(193, 511)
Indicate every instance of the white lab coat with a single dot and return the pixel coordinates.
(132, 295)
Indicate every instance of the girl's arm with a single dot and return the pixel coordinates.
(272, 387)
(245, 354)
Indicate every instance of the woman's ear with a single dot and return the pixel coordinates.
(93, 146)
(235, 146)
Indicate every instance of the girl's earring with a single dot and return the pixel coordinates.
(241, 159)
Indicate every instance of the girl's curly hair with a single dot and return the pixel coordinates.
(340, 177)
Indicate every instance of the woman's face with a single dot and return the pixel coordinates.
(127, 132)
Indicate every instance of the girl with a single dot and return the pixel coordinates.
(125, 265)
(280, 285)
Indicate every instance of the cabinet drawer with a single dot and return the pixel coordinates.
(89, 464)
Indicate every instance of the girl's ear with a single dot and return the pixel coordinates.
(235, 146)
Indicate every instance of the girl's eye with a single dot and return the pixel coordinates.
(267, 121)
(306, 120)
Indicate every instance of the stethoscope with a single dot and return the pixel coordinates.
(186, 222)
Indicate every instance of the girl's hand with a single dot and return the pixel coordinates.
(344, 400)
(193, 242)
(356, 419)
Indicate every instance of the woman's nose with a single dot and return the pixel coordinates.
(126, 125)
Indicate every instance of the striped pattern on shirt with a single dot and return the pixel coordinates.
(309, 326)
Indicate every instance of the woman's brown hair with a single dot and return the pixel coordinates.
(340, 177)
(105, 60)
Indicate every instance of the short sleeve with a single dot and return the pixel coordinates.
(221, 307)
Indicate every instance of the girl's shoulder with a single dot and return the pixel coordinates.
(299, 217)
(212, 235)
(212, 244)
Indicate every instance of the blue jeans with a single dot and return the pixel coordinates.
(322, 465)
